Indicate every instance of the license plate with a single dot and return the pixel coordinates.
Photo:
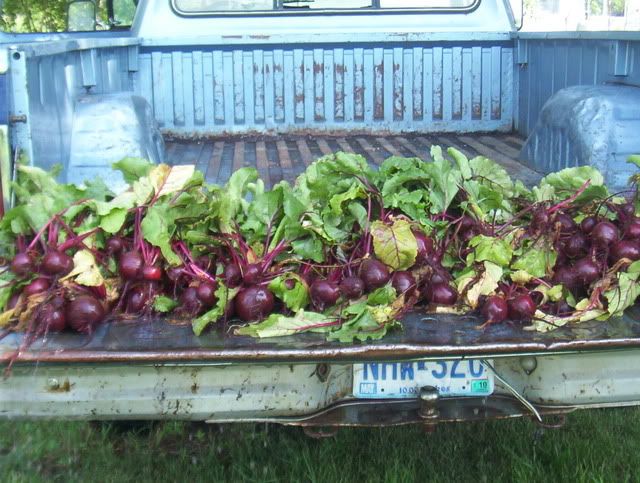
(377, 380)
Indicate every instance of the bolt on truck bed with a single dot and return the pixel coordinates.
(158, 368)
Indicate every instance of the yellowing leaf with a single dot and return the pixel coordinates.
(85, 271)
(486, 284)
(169, 179)
(6, 316)
(394, 245)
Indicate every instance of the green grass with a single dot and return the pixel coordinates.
(594, 446)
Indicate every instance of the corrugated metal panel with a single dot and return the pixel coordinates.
(53, 84)
(548, 65)
(465, 87)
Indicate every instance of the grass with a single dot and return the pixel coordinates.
(602, 445)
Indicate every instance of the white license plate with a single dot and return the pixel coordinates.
(404, 379)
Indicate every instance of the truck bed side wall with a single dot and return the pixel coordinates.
(550, 62)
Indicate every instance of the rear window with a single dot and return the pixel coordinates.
(239, 6)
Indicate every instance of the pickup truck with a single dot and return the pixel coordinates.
(275, 85)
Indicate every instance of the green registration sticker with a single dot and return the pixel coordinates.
(480, 386)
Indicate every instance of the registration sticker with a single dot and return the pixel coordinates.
(377, 380)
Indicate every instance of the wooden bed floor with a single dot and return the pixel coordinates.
(285, 157)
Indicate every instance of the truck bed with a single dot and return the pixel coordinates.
(278, 158)
(423, 335)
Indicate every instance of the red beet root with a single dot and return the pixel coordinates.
(495, 310)
(56, 263)
(84, 313)
(206, 293)
(521, 308)
(232, 275)
(586, 271)
(324, 294)
(130, 266)
(39, 285)
(625, 249)
(352, 288)
(22, 264)
(152, 273)
(253, 303)
(114, 245)
(403, 282)
(604, 234)
(441, 294)
(374, 274)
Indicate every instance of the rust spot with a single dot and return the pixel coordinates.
(396, 67)
(378, 108)
(267, 69)
(318, 68)
(495, 112)
(299, 98)
(339, 69)
(194, 388)
(417, 112)
(476, 111)
(64, 387)
(301, 69)
(379, 68)
(277, 68)
(256, 68)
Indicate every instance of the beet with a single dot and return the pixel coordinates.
(130, 266)
(324, 294)
(586, 270)
(189, 301)
(567, 225)
(253, 303)
(633, 230)
(84, 313)
(536, 296)
(53, 319)
(206, 293)
(441, 294)
(495, 309)
(521, 308)
(114, 245)
(425, 246)
(566, 276)
(625, 249)
(440, 276)
(576, 245)
(175, 273)
(37, 286)
(403, 282)
(626, 210)
(351, 288)
(252, 273)
(604, 234)
(22, 264)
(232, 275)
(152, 273)
(137, 298)
(373, 273)
(56, 263)
(588, 224)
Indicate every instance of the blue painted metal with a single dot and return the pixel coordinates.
(46, 87)
(550, 63)
(4, 99)
(588, 125)
(384, 88)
